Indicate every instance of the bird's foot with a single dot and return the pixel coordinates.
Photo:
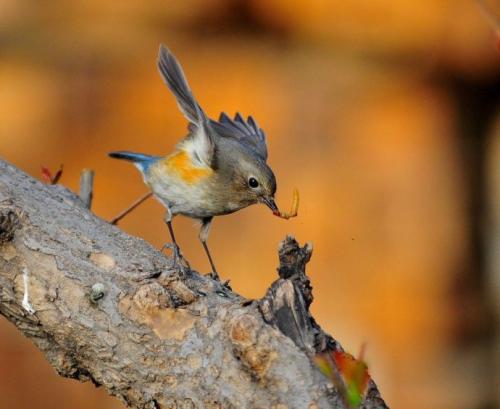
(179, 260)
(214, 275)
(226, 284)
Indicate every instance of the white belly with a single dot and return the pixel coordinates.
(185, 199)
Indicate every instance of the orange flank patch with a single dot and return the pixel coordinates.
(181, 164)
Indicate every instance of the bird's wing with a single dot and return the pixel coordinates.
(199, 142)
(247, 132)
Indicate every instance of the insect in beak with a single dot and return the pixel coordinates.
(293, 211)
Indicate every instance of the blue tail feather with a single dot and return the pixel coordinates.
(142, 161)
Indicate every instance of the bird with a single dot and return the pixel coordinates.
(218, 168)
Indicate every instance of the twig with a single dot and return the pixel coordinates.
(86, 186)
(121, 215)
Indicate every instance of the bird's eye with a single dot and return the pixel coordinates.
(252, 182)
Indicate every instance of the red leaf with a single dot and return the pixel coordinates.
(58, 175)
(46, 174)
(348, 374)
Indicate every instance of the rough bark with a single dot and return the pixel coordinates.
(107, 307)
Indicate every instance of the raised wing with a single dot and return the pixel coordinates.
(247, 132)
(199, 142)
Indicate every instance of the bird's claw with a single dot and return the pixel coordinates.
(214, 275)
(179, 260)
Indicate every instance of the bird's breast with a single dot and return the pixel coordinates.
(181, 165)
(185, 187)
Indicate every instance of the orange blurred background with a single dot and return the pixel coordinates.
(384, 114)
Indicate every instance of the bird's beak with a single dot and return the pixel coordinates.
(269, 202)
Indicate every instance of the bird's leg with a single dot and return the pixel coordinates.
(205, 229)
(178, 257)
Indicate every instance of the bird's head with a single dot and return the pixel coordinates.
(252, 181)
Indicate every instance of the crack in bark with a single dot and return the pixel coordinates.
(9, 222)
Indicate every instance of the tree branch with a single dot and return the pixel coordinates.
(107, 307)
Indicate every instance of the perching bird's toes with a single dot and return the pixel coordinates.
(179, 260)
(226, 284)
(213, 275)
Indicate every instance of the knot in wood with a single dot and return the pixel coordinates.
(9, 222)
(253, 352)
(244, 330)
(151, 297)
(180, 293)
(293, 258)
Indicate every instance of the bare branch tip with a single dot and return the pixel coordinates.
(87, 187)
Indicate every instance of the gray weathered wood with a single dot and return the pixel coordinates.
(107, 307)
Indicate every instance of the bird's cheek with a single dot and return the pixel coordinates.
(252, 200)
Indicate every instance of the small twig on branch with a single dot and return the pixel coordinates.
(121, 215)
(87, 187)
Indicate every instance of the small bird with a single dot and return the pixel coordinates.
(217, 169)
